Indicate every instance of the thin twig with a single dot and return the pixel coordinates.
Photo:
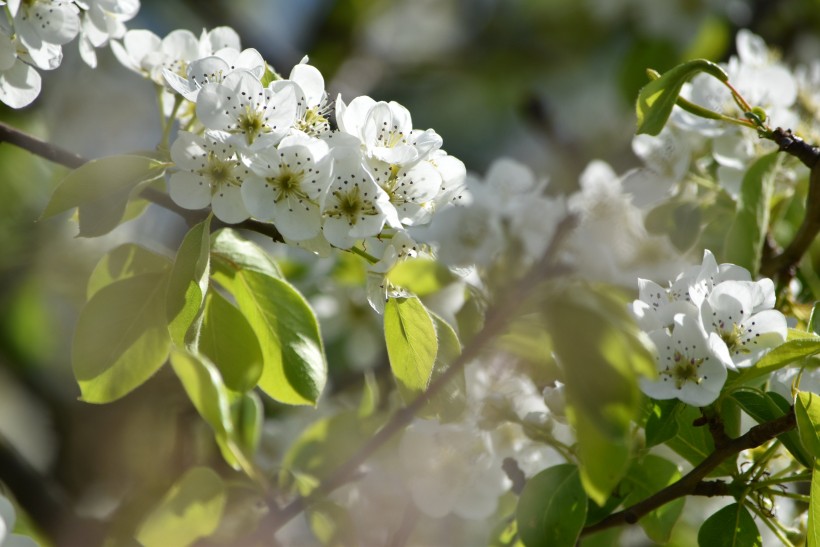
(692, 482)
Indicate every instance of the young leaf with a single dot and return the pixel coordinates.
(228, 340)
(412, 344)
(188, 285)
(231, 252)
(744, 242)
(657, 98)
(449, 403)
(125, 261)
(102, 189)
(645, 477)
(732, 526)
(121, 337)
(779, 357)
(552, 508)
(294, 367)
(807, 412)
(420, 276)
(190, 510)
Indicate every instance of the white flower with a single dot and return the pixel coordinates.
(145, 53)
(210, 174)
(692, 366)
(451, 469)
(311, 105)
(467, 235)
(7, 519)
(258, 117)
(213, 69)
(730, 312)
(20, 83)
(384, 129)
(411, 188)
(289, 187)
(101, 21)
(354, 206)
(666, 159)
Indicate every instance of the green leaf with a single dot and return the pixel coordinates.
(657, 98)
(229, 341)
(646, 477)
(765, 407)
(190, 510)
(101, 189)
(121, 337)
(807, 412)
(412, 344)
(695, 443)
(552, 508)
(604, 460)
(732, 526)
(450, 402)
(294, 367)
(230, 252)
(662, 423)
(188, 285)
(205, 389)
(420, 276)
(813, 527)
(332, 524)
(779, 357)
(123, 262)
(814, 319)
(744, 242)
(248, 417)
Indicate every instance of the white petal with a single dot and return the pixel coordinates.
(297, 220)
(20, 85)
(311, 81)
(219, 38)
(228, 206)
(139, 43)
(258, 197)
(189, 190)
(336, 231)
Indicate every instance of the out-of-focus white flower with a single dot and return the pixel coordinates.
(101, 21)
(7, 519)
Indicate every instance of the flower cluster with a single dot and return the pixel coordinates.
(258, 145)
(711, 319)
(33, 32)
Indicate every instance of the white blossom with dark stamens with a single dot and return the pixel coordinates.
(214, 69)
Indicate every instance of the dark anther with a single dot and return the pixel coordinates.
(797, 147)
(514, 473)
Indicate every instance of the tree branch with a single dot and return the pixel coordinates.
(692, 483)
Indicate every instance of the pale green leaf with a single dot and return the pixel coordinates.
(190, 510)
(732, 526)
(744, 242)
(228, 340)
(294, 367)
(121, 337)
(188, 285)
(807, 412)
(779, 357)
(122, 262)
(420, 276)
(412, 344)
(813, 527)
(231, 252)
(449, 403)
(205, 389)
(552, 508)
(657, 98)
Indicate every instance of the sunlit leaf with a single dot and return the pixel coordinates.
(813, 527)
(420, 276)
(732, 526)
(657, 98)
(190, 510)
(205, 389)
(411, 344)
(744, 242)
(662, 423)
(231, 252)
(449, 403)
(552, 508)
(779, 357)
(188, 285)
(229, 341)
(125, 261)
(121, 337)
(807, 412)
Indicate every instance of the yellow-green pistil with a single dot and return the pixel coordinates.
(351, 204)
(219, 172)
(684, 370)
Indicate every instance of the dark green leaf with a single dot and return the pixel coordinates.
(744, 242)
(814, 319)
(732, 526)
(552, 508)
(190, 510)
(644, 478)
(695, 443)
(662, 424)
(125, 261)
(121, 337)
(188, 285)
(228, 340)
(657, 98)
(411, 344)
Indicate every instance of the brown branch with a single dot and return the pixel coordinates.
(68, 159)
(692, 483)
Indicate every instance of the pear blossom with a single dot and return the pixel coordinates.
(20, 83)
(100, 21)
(147, 54)
(354, 206)
(383, 128)
(411, 188)
(692, 366)
(7, 519)
(311, 106)
(733, 311)
(290, 184)
(213, 69)
(210, 173)
(240, 105)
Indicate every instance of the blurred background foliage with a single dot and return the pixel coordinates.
(549, 82)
